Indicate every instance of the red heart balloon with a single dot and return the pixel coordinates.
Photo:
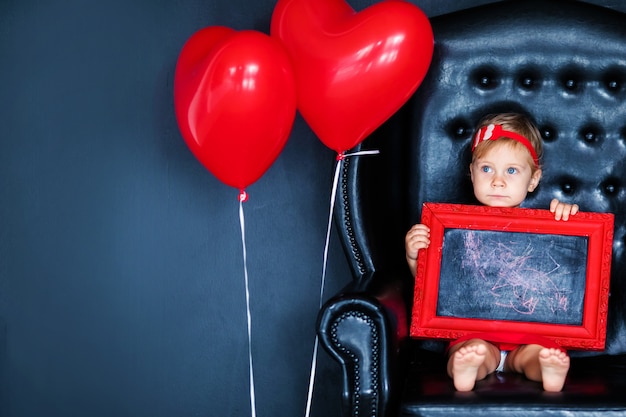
(353, 70)
(235, 101)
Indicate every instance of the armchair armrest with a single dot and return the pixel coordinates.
(363, 328)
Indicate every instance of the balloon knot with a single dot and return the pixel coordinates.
(341, 156)
(243, 196)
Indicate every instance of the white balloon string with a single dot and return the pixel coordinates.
(242, 198)
(333, 196)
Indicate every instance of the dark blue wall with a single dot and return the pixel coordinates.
(121, 276)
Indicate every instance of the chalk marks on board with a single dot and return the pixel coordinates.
(512, 276)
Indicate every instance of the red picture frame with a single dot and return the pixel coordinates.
(564, 297)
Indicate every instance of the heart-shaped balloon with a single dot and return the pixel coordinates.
(353, 70)
(235, 101)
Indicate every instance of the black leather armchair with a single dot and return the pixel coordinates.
(562, 62)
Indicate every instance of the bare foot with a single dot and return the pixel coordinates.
(554, 365)
(465, 364)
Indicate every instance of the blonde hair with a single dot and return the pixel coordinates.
(514, 122)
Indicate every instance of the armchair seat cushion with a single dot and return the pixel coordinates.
(595, 386)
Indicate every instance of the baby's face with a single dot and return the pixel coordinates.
(502, 177)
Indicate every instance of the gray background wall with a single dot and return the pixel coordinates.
(121, 276)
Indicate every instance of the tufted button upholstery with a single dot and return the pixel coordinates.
(564, 64)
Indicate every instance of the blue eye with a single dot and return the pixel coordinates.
(511, 170)
(485, 169)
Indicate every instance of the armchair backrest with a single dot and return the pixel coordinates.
(561, 62)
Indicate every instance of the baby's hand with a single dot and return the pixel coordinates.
(417, 238)
(562, 211)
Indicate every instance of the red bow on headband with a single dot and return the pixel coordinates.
(495, 132)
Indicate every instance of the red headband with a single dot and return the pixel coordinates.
(495, 132)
